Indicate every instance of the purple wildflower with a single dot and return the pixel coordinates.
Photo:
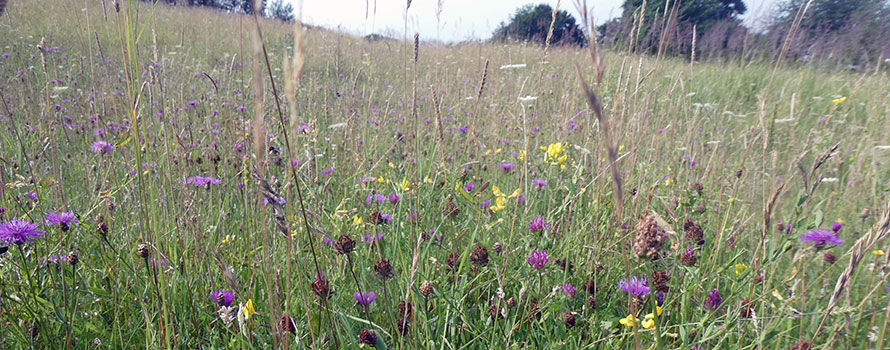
(506, 166)
(540, 183)
(102, 147)
(393, 198)
(223, 297)
(19, 231)
(820, 237)
(714, 300)
(537, 259)
(31, 195)
(836, 226)
(538, 224)
(327, 171)
(636, 287)
(201, 181)
(364, 298)
(469, 187)
(569, 290)
(63, 219)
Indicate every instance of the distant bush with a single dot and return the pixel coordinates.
(532, 23)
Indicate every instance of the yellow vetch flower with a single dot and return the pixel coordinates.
(499, 150)
(248, 309)
(357, 220)
(838, 101)
(521, 155)
(380, 179)
(628, 321)
(405, 184)
(496, 191)
(515, 193)
(658, 310)
(553, 151)
(878, 252)
(739, 268)
(500, 204)
(561, 160)
(648, 324)
(488, 151)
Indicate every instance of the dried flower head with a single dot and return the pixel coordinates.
(650, 237)
(426, 288)
(344, 245)
(569, 319)
(452, 261)
(286, 325)
(383, 268)
(320, 287)
(73, 259)
(367, 337)
(143, 251)
(688, 258)
(660, 280)
(694, 232)
(479, 256)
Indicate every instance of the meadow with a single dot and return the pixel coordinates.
(171, 180)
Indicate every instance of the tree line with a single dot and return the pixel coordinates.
(277, 9)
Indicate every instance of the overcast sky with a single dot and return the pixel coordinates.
(459, 20)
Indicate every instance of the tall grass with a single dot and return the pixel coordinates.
(734, 147)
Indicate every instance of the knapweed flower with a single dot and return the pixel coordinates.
(714, 300)
(537, 259)
(19, 232)
(469, 187)
(539, 183)
(222, 297)
(102, 147)
(201, 181)
(506, 166)
(364, 298)
(569, 290)
(635, 287)
(393, 198)
(538, 224)
(820, 237)
(63, 219)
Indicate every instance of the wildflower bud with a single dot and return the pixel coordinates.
(864, 214)
(143, 251)
(406, 310)
(830, 258)
(383, 268)
(698, 187)
(569, 319)
(591, 302)
(660, 280)
(3, 250)
(498, 247)
(802, 345)
(321, 288)
(511, 303)
(589, 286)
(747, 309)
(694, 232)
(451, 210)
(452, 261)
(72, 258)
(286, 325)
(479, 256)
(367, 337)
(426, 288)
(738, 173)
(633, 191)
(650, 237)
(344, 245)
(377, 218)
(688, 258)
(402, 326)
(102, 228)
(494, 313)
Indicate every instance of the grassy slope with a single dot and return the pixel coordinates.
(725, 117)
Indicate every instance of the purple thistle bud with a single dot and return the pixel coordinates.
(836, 226)
(393, 198)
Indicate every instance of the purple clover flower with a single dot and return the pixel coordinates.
(714, 300)
(537, 259)
(569, 290)
(538, 224)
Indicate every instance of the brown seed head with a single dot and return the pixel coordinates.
(479, 256)
(143, 251)
(383, 268)
(344, 245)
(650, 237)
(367, 337)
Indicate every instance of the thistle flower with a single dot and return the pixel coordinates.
(222, 297)
(19, 232)
(364, 298)
(539, 183)
(201, 181)
(635, 287)
(820, 237)
(569, 319)
(538, 224)
(714, 300)
(62, 219)
(537, 259)
(506, 166)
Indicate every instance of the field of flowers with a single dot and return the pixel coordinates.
(170, 180)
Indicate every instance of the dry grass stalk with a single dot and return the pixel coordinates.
(860, 249)
(438, 115)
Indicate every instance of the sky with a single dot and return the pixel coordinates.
(459, 20)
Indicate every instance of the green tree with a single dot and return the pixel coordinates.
(701, 13)
(280, 10)
(532, 22)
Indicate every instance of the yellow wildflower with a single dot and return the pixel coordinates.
(553, 151)
(405, 184)
(515, 193)
(380, 179)
(248, 309)
(500, 204)
(561, 160)
(838, 101)
(878, 252)
(499, 150)
(658, 310)
(496, 191)
(739, 268)
(357, 221)
(628, 321)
